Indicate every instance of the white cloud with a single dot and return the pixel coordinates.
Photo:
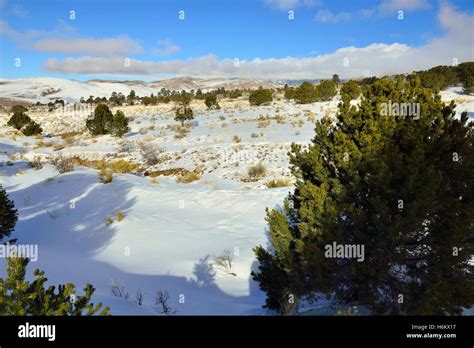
(326, 16)
(95, 47)
(166, 47)
(61, 40)
(406, 5)
(375, 59)
(290, 4)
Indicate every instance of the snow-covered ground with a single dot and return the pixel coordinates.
(171, 231)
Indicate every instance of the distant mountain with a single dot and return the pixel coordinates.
(45, 89)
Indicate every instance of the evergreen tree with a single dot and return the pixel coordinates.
(260, 96)
(18, 108)
(32, 128)
(131, 97)
(327, 90)
(336, 80)
(18, 120)
(211, 101)
(306, 93)
(468, 85)
(399, 186)
(119, 124)
(183, 114)
(100, 123)
(8, 215)
(21, 297)
(351, 88)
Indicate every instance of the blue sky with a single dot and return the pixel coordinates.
(149, 36)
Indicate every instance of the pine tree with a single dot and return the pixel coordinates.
(183, 114)
(327, 90)
(399, 186)
(119, 125)
(100, 123)
(336, 80)
(306, 93)
(32, 128)
(8, 215)
(211, 101)
(21, 297)
(351, 88)
(260, 96)
(18, 120)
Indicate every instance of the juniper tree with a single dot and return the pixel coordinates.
(21, 297)
(32, 128)
(305, 93)
(183, 114)
(327, 90)
(399, 186)
(119, 125)
(8, 215)
(260, 96)
(102, 120)
(351, 88)
(18, 120)
(211, 101)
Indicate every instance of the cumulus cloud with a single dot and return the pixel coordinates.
(348, 62)
(62, 40)
(166, 47)
(94, 47)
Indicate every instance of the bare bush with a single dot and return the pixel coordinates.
(36, 163)
(224, 262)
(161, 299)
(151, 153)
(62, 164)
(118, 290)
(139, 297)
(257, 170)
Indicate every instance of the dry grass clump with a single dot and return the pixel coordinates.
(278, 183)
(257, 170)
(186, 178)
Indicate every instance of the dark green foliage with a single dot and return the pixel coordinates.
(260, 96)
(211, 101)
(468, 85)
(18, 120)
(100, 123)
(119, 125)
(351, 88)
(21, 297)
(336, 80)
(183, 114)
(8, 215)
(327, 90)
(18, 108)
(32, 128)
(306, 93)
(117, 99)
(402, 188)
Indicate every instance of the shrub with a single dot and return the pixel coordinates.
(224, 262)
(257, 170)
(18, 120)
(32, 128)
(211, 101)
(188, 177)
(237, 139)
(18, 109)
(8, 214)
(260, 96)
(119, 125)
(62, 164)
(119, 216)
(183, 114)
(306, 93)
(122, 166)
(327, 90)
(105, 175)
(101, 123)
(19, 297)
(151, 153)
(36, 163)
(351, 88)
(278, 183)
